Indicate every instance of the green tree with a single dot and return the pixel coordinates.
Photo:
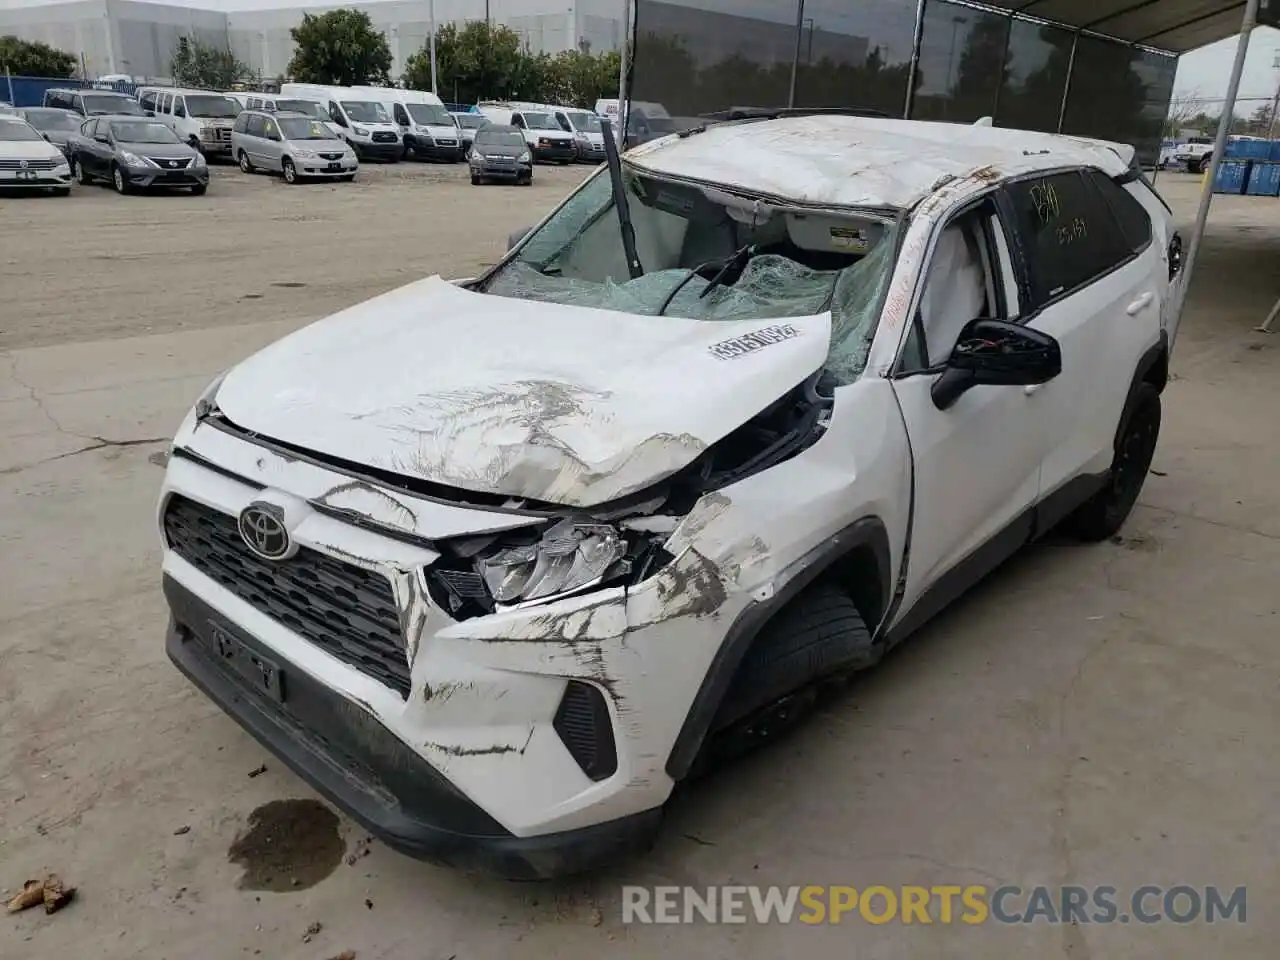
(31, 58)
(582, 77)
(196, 64)
(340, 47)
(482, 61)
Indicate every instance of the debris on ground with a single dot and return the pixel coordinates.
(184, 829)
(50, 891)
(345, 955)
(368, 904)
(257, 771)
(312, 929)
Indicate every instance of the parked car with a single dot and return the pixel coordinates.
(54, 124)
(273, 102)
(201, 118)
(365, 123)
(426, 128)
(587, 133)
(468, 124)
(291, 144)
(495, 564)
(29, 161)
(92, 103)
(500, 153)
(1196, 154)
(134, 153)
(547, 142)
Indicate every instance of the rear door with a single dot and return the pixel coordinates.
(1094, 286)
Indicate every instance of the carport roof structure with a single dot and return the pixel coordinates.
(1173, 25)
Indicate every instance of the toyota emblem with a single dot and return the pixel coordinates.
(263, 531)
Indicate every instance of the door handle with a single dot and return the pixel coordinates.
(1140, 304)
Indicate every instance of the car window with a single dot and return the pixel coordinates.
(1135, 224)
(401, 115)
(961, 284)
(147, 101)
(1068, 232)
(88, 128)
(179, 107)
(563, 121)
(241, 124)
(256, 125)
(335, 114)
(269, 128)
(165, 101)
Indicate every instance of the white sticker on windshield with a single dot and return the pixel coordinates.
(751, 342)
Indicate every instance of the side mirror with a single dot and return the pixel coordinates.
(996, 353)
(517, 236)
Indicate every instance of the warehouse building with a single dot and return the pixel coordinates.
(139, 38)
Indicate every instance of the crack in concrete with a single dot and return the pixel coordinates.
(93, 442)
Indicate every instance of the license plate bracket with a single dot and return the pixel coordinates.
(262, 672)
(335, 166)
(27, 175)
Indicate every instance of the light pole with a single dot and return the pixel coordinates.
(431, 12)
(1275, 103)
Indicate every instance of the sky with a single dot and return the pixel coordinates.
(1202, 74)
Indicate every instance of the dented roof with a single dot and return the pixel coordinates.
(832, 160)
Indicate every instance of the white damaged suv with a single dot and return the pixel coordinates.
(495, 564)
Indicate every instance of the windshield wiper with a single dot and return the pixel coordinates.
(734, 263)
(634, 266)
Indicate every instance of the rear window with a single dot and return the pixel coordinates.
(1134, 222)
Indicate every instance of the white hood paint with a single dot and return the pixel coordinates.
(30, 150)
(571, 405)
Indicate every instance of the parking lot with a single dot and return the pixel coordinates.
(1092, 715)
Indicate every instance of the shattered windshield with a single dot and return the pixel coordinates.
(707, 254)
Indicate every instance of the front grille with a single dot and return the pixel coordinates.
(330, 156)
(170, 163)
(383, 136)
(223, 134)
(446, 143)
(347, 611)
(583, 723)
(43, 164)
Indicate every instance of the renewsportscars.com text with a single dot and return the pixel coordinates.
(942, 904)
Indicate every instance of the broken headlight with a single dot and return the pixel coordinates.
(569, 557)
(478, 575)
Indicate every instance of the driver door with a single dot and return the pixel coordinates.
(976, 464)
(99, 140)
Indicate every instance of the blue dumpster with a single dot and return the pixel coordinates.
(1232, 177)
(1264, 180)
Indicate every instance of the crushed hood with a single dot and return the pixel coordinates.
(489, 394)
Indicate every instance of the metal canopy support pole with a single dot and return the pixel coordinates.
(795, 59)
(432, 15)
(914, 70)
(1219, 147)
(1066, 87)
(623, 69)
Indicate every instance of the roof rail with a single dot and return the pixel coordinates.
(773, 113)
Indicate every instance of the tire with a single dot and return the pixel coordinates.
(119, 181)
(246, 166)
(289, 170)
(475, 180)
(527, 181)
(199, 189)
(1101, 516)
(818, 638)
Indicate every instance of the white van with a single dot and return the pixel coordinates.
(274, 103)
(426, 127)
(363, 121)
(547, 142)
(582, 125)
(202, 118)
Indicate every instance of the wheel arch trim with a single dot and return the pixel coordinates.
(867, 533)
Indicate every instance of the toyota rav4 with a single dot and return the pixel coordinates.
(496, 563)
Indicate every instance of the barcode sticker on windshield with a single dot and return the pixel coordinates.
(751, 342)
(852, 239)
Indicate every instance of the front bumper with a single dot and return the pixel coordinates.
(319, 167)
(590, 153)
(357, 763)
(437, 151)
(367, 150)
(153, 177)
(555, 152)
(39, 180)
(503, 171)
(216, 148)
